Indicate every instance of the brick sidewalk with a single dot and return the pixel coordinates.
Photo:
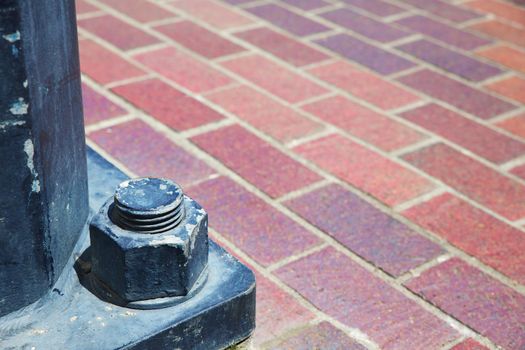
(364, 157)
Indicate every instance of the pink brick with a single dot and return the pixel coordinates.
(519, 171)
(489, 240)
(214, 14)
(364, 123)
(507, 56)
(270, 319)
(149, 153)
(364, 85)
(271, 117)
(282, 46)
(275, 78)
(199, 39)
(384, 179)
(513, 88)
(183, 69)
(167, 104)
(501, 31)
(479, 182)
(98, 107)
(103, 65)
(501, 9)
(476, 300)
(257, 161)
(84, 7)
(119, 33)
(515, 125)
(258, 229)
(140, 10)
(352, 295)
(320, 336)
(485, 142)
(469, 344)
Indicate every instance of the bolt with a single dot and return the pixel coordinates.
(148, 205)
(149, 241)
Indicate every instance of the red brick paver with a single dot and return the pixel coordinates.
(366, 158)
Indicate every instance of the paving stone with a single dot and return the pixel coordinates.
(445, 10)
(376, 7)
(149, 153)
(513, 88)
(237, 2)
(261, 231)
(275, 78)
(443, 32)
(270, 319)
(449, 60)
(105, 66)
(475, 299)
(117, 32)
(321, 336)
(98, 107)
(366, 26)
(489, 240)
(140, 10)
(341, 288)
(83, 7)
(384, 179)
(502, 31)
(485, 142)
(255, 160)
(271, 117)
(515, 125)
(370, 56)
(506, 56)
(213, 13)
(458, 94)
(469, 344)
(364, 85)
(365, 230)
(374, 128)
(501, 9)
(167, 104)
(307, 4)
(477, 181)
(199, 39)
(519, 171)
(287, 20)
(183, 69)
(282, 46)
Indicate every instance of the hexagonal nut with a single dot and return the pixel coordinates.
(140, 266)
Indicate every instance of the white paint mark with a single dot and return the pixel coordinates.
(39, 331)
(13, 37)
(73, 319)
(169, 240)
(29, 149)
(163, 187)
(25, 83)
(19, 107)
(4, 125)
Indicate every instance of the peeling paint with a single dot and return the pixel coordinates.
(29, 149)
(20, 107)
(168, 240)
(13, 37)
(7, 123)
(25, 83)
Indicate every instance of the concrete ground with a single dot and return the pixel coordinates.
(365, 157)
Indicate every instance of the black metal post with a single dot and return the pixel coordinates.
(43, 177)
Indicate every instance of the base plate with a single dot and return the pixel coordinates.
(221, 314)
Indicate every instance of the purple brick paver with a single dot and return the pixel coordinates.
(443, 32)
(376, 7)
(365, 26)
(486, 305)
(370, 233)
(251, 224)
(457, 94)
(366, 54)
(288, 20)
(344, 149)
(451, 61)
(344, 290)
